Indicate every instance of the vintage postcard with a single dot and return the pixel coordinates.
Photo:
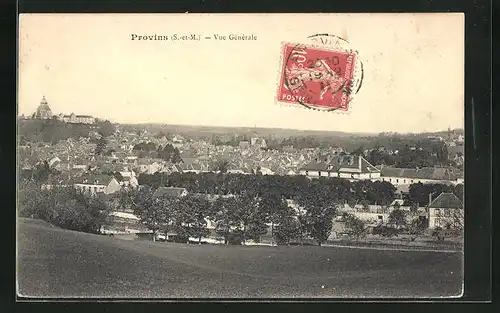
(248, 156)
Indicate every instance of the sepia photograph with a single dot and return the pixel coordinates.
(240, 156)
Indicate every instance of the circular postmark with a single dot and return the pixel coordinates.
(323, 75)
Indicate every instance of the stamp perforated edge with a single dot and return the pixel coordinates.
(358, 71)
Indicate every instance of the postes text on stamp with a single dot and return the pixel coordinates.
(316, 77)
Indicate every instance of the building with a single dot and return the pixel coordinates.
(43, 111)
(446, 211)
(258, 142)
(94, 184)
(76, 119)
(427, 175)
(343, 166)
(170, 192)
(244, 144)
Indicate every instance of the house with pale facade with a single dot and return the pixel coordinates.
(76, 119)
(343, 166)
(258, 142)
(446, 212)
(94, 184)
(426, 175)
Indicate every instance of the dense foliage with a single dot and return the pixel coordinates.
(288, 187)
(167, 152)
(54, 130)
(237, 218)
(64, 207)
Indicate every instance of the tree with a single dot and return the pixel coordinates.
(417, 227)
(221, 166)
(191, 214)
(397, 218)
(155, 213)
(224, 214)
(92, 212)
(354, 227)
(101, 146)
(168, 153)
(64, 207)
(32, 200)
(251, 219)
(271, 205)
(359, 151)
(320, 204)
(131, 199)
(288, 228)
(458, 190)
(41, 172)
(105, 128)
(376, 157)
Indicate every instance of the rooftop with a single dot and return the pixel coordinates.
(340, 163)
(94, 179)
(168, 192)
(446, 200)
(418, 173)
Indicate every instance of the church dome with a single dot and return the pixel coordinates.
(43, 111)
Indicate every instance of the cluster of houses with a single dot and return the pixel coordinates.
(104, 175)
(358, 168)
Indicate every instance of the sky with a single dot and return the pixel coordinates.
(87, 64)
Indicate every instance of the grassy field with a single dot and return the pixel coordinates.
(58, 263)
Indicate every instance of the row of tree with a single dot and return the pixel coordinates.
(290, 187)
(237, 217)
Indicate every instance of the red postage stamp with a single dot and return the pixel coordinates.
(318, 78)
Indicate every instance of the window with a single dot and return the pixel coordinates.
(437, 212)
(412, 181)
(404, 181)
(319, 173)
(397, 180)
(383, 179)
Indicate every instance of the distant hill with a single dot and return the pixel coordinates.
(266, 132)
(258, 131)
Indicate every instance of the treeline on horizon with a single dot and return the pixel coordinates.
(54, 130)
(363, 192)
(413, 151)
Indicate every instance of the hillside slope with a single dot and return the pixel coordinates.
(60, 263)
